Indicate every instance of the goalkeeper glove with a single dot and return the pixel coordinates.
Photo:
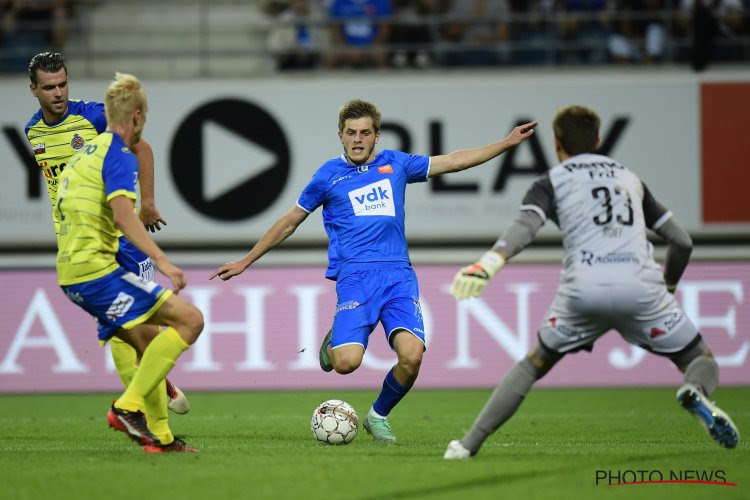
(470, 281)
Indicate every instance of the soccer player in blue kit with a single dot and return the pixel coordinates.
(363, 193)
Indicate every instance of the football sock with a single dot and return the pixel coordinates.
(158, 359)
(156, 413)
(505, 400)
(703, 372)
(126, 363)
(126, 360)
(390, 395)
(124, 357)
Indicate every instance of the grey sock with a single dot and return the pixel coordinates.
(703, 372)
(503, 403)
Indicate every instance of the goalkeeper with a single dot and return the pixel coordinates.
(609, 279)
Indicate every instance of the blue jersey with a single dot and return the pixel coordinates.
(363, 207)
(359, 19)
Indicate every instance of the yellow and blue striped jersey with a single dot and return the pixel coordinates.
(88, 238)
(55, 144)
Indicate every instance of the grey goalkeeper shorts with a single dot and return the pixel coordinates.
(644, 314)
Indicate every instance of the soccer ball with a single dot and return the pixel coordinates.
(334, 422)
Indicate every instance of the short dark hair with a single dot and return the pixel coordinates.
(359, 109)
(50, 62)
(577, 129)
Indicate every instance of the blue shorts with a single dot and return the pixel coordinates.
(368, 293)
(118, 300)
(133, 260)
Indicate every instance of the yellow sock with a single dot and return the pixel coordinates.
(126, 363)
(158, 359)
(124, 357)
(156, 413)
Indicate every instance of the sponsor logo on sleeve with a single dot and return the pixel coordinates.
(373, 199)
(40, 148)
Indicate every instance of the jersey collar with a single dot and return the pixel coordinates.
(58, 122)
(374, 160)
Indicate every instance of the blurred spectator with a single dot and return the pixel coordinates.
(359, 32)
(411, 33)
(534, 32)
(640, 31)
(299, 35)
(585, 27)
(30, 27)
(714, 27)
(273, 8)
(475, 33)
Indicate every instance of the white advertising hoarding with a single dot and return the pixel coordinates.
(232, 156)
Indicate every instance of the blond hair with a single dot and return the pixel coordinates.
(359, 109)
(124, 96)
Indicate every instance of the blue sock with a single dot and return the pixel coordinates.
(389, 397)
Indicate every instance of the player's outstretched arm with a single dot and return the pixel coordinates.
(467, 158)
(148, 214)
(127, 222)
(276, 234)
(470, 281)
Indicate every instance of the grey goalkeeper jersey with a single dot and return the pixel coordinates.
(603, 210)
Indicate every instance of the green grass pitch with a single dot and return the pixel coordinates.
(259, 445)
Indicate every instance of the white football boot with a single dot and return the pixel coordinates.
(176, 400)
(456, 451)
(715, 420)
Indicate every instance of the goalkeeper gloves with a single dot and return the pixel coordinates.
(470, 281)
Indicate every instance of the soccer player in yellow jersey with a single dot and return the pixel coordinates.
(95, 204)
(57, 132)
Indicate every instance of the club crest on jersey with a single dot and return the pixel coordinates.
(373, 199)
(39, 149)
(386, 169)
(77, 142)
(362, 169)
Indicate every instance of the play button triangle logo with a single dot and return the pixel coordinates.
(220, 177)
(229, 159)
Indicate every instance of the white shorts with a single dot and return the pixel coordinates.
(645, 314)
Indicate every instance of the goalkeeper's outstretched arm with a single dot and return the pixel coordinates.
(519, 235)
(470, 281)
